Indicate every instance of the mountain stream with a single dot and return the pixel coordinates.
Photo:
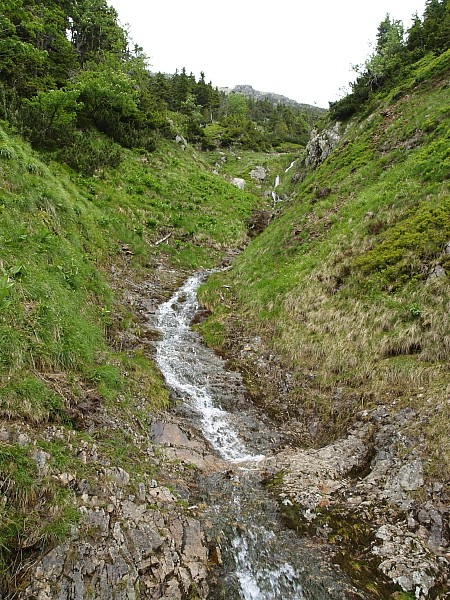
(261, 559)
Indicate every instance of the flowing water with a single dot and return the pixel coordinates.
(290, 166)
(262, 560)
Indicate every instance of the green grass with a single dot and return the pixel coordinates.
(29, 397)
(34, 512)
(173, 192)
(239, 164)
(59, 235)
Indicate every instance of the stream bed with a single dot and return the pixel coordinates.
(260, 558)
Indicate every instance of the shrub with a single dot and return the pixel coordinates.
(89, 152)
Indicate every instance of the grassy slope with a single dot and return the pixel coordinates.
(338, 285)
(61, 237)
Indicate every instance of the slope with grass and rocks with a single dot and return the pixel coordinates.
(82, 483)
(337, 315)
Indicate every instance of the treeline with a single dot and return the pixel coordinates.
(214, 118)
(73, 83)
(395, 53)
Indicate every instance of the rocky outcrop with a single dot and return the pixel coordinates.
(250, 92)
(373, 476)
(321, 144)
(258, 174)
(134, 538)
(134, 547)
(406, 560)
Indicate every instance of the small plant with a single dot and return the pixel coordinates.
(108, 380)
(33, 169)
(5, 286)
(415, 310)
(7, 152)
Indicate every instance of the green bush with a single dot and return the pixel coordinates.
(88, 152)
(405, 248)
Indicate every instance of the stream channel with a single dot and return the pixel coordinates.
(261, 559)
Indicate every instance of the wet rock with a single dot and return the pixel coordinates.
(311, 477)
(408, 548)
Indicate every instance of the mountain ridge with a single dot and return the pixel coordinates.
(250, 92)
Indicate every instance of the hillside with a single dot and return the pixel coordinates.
(363, 237)
(73, 362)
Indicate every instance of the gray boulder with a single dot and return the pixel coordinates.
(238, 182)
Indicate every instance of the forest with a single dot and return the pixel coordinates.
(70, 72)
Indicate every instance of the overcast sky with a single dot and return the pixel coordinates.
(303, 50)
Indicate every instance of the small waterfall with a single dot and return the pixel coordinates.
(290, 166)
(258, 577)
(275, 196)
(185, 363)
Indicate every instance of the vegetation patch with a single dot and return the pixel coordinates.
(406, 249)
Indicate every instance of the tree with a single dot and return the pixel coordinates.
(416, 37)
(49, 117)
(182, 86)
(380, 69)
(436, 25)
(23, 65)
(94, 31)
(387, 56)
(161, 87)
(237, 105)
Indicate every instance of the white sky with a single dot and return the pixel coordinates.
(301, 49)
